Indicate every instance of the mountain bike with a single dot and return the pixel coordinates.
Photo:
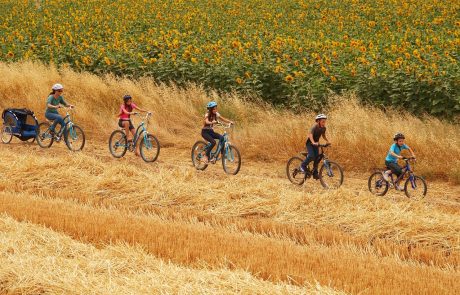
(414, 187)
(330, 174)
(149, 144)
(74, 136)
(230, 155)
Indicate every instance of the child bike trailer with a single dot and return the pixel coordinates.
(21, 123)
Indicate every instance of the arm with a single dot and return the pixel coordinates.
(142, 110)
(225, 120)
(325, 138)
(63, 102)
(310, 136)
(53, 107)
(412, 152)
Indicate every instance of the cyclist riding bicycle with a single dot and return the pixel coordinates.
(53, 103)
(210, 118)
(391, 161)
(316, 131)
(124, 119)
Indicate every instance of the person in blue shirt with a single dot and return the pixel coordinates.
(391, 161)
(53, 103)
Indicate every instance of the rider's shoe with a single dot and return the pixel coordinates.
(213, 160)
(315, 176)
(399, 188)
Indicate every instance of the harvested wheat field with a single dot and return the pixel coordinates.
(126, 226)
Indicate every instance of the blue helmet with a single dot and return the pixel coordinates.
(211, 104)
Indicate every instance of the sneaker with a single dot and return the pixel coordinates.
(315, 176)
(386, 176)
(301, 169)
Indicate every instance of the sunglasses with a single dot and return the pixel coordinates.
(60, 90)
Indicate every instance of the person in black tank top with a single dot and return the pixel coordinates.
(210, 118)
(317, 131)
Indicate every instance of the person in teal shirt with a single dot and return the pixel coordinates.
(53, 103)
(391, 160)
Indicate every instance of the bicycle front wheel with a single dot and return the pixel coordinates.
(150, 148)
(415, 187)
(118, 144)
(377, 184)
(231, 160)
(7, 134)
(293, 171)
(198, 155)
(44, 138)
(74, 138)
(331, 175)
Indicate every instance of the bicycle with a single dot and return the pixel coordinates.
(74, 136)
(379, 186)
(149, 144)
(231, 158)
(330, 174)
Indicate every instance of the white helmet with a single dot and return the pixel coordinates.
(320, 116)
(57, 86)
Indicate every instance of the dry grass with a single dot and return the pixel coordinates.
(257, 220)
(36, 260)
(268, 258)
(361, 135)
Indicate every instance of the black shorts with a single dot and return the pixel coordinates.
(120, 123)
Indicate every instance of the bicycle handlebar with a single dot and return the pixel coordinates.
(225, 126)
(324, 145)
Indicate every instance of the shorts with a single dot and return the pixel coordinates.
(131, 126)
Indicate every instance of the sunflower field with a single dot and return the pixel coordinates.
(393, 53)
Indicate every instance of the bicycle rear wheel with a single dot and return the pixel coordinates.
(331, 175)
(7, 134)
(231, 160)
(74, 138)
(150, 148)
(377, 184)
(293, 171)
(44, 138)
(198, 154)
(415, 187)
(118, 144)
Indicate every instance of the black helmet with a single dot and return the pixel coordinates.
(126, 97)
(399, 135)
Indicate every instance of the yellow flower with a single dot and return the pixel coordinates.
(107, 61)
(194, 60)
(10, 54)
(333, 79)
(239, 80)
(289, 78)
(373, 72)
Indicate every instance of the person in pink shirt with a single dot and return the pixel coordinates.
(124, 118)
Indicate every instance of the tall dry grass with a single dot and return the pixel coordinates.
(36, 260)
(361, 135)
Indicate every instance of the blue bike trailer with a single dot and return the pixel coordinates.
(23, 122)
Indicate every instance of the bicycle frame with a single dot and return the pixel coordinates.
(323, 157)
(405, 170)
(141, 130)
(222, 146)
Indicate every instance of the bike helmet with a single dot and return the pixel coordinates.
(399, 135)
(211, 104)
(57, 86)
(320, 116)
(126, 97)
